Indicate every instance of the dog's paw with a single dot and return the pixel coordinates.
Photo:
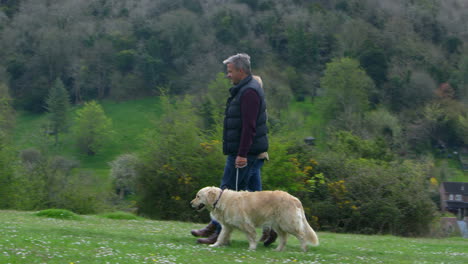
(215, 245)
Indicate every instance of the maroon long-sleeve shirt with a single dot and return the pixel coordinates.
(250, 102)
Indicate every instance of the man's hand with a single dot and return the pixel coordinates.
(241, 162)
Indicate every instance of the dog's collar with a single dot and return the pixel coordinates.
(217, 200)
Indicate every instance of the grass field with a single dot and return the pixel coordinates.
(27, 238)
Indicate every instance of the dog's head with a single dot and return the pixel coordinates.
(205, 198)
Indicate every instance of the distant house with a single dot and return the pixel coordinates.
(454, 198)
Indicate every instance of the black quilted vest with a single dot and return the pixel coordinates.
(233, 120)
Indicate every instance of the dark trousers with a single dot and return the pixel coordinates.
(240, 179)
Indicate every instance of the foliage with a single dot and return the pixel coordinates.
(462, 128)
(326, 54)
(375, 62)
(7, 114)
(213, 102)
(360, 187)
(92, 128)
(59, 214)
(6, 173)
(302, 48)
(58, 105)
(282, 171)
(144, 44)
(229, 26)
(177, 162)
(421, 88)
(383, 123)
(353, 146)
(389, 197)
(51, 182)
(7, 161)
(347, 88)
(124, 173)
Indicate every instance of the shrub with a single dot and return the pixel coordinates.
(120, 216)
(51, 182)
(59, 214)
(357, 188)
(353, 146)
(178, 161)
(377, 197)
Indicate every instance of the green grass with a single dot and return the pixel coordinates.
(453, 170)
(29, 239)
(308, 120)
(130, 119)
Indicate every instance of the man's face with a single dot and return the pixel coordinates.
(234, 74)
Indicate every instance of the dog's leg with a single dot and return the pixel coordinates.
(301, 237)
(251, 236)
(283, 238)
(223, 238)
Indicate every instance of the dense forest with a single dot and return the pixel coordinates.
(382, 85)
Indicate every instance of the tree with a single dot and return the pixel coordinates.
(124, 173)
(374, 61)
(302, 46)
(347, 90)
(462, 128)
(7, 115)
(92, 128)
(213, 101)
(177, 161)
(58, 105)
(6, 150)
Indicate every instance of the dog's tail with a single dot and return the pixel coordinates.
(310, 235)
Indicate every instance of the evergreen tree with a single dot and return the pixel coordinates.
(58, 105)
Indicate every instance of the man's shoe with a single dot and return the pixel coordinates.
(265, 234)
(209, 240)
(204, 232)
(271, 238)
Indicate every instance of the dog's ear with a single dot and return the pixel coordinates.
(212, 194)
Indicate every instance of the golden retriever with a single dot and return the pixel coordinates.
(247, 210)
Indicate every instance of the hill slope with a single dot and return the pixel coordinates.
(129, 120)
(27, 238)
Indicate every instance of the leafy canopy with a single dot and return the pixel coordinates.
(92, 128)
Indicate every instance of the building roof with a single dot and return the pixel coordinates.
(456, 187)
(456, 204)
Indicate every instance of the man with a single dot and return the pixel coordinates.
(244, 135)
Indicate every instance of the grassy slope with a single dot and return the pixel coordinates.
(130, 119)
(452, 169)
(27, 238)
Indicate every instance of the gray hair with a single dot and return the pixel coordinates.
(240, 61)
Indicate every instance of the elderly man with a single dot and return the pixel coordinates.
(244, 137)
